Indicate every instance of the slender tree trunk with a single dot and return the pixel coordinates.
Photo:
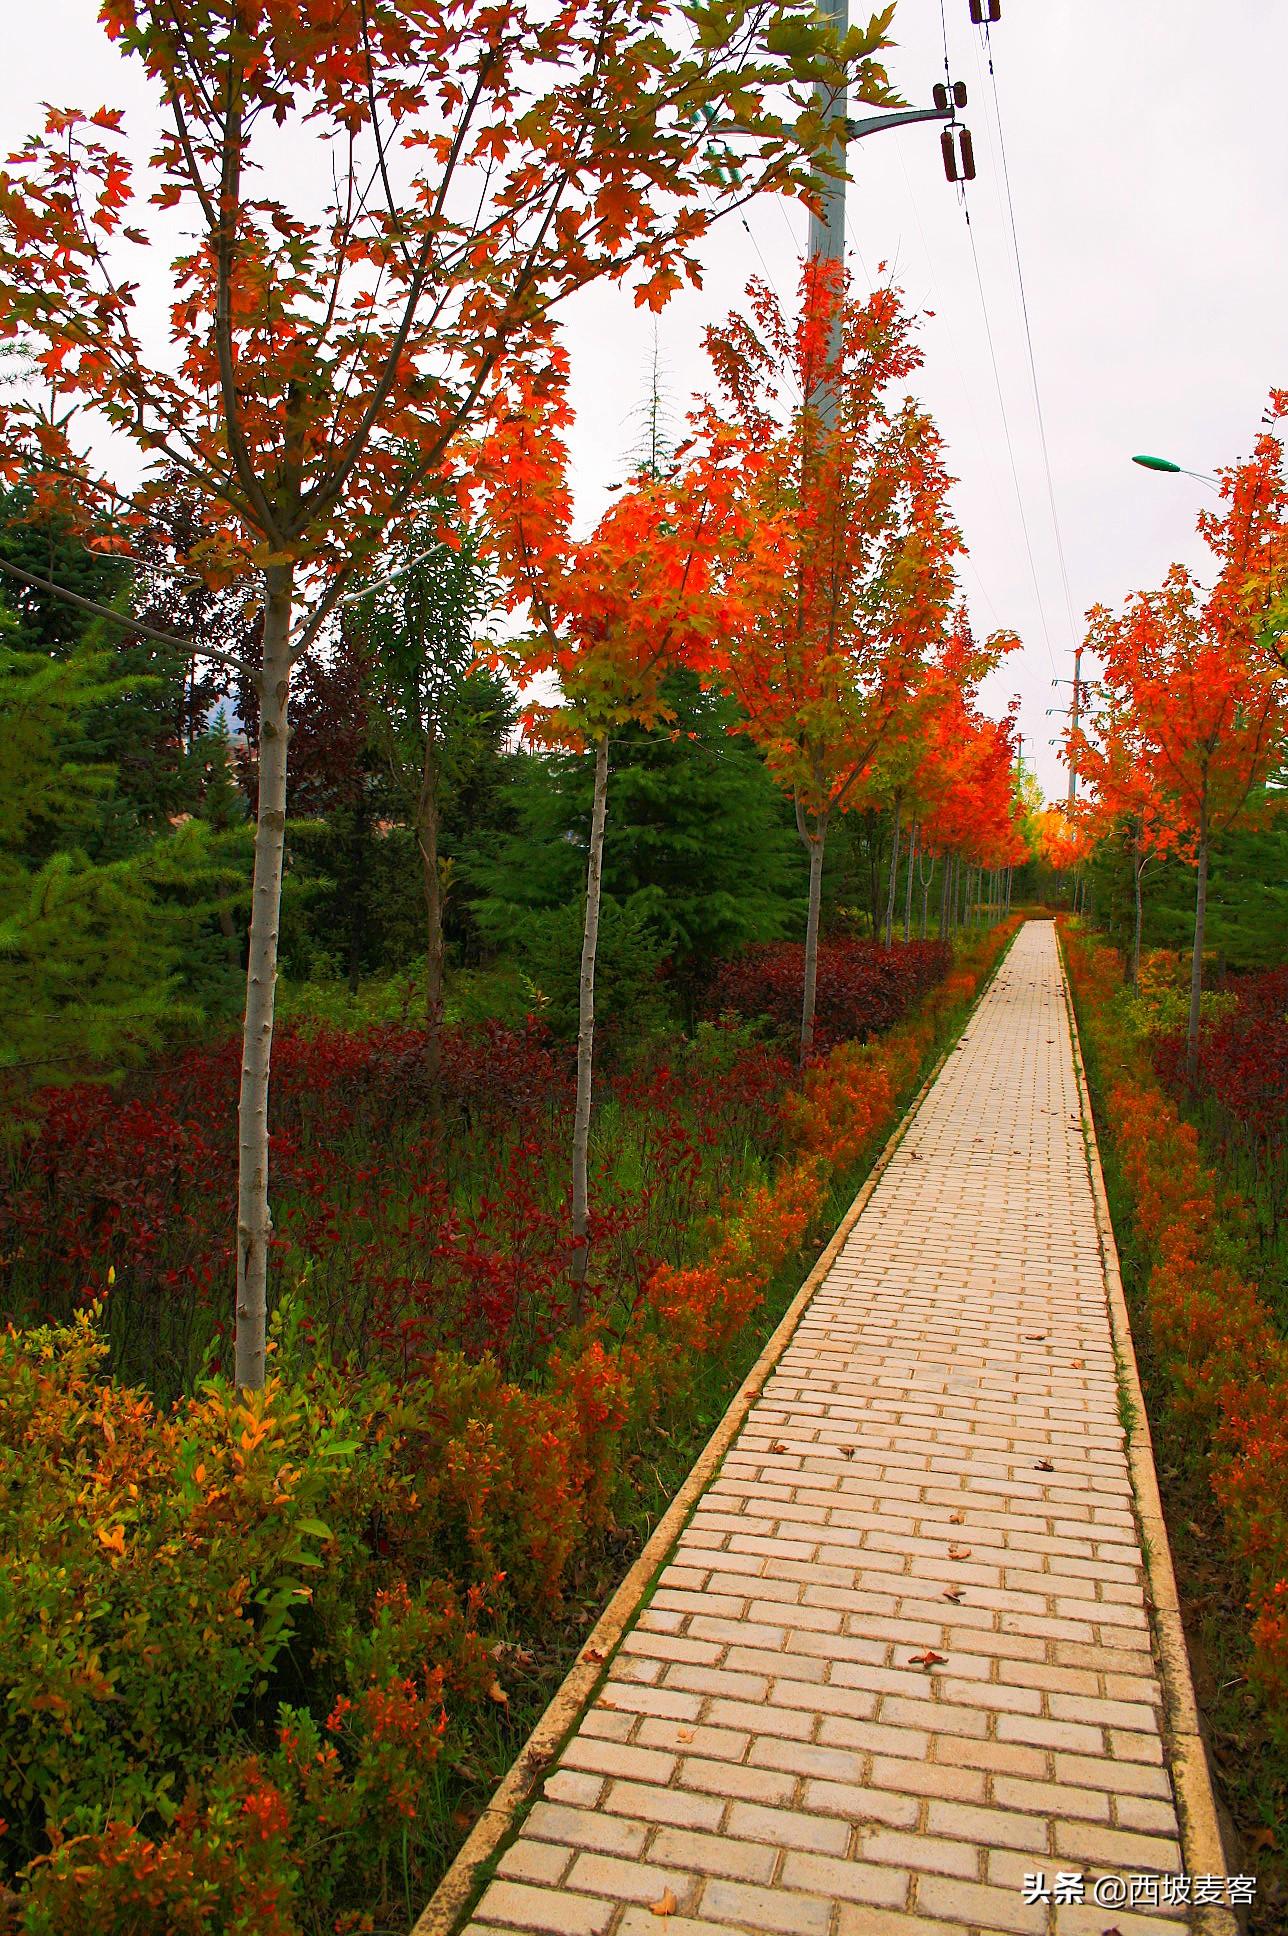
(1137, 868)
(1196, 965)
(357, 894)
(586, 1034)
(926, 879)
(814, 844)
(254, 1220)
(945, 887)
(907, 898)
(894, 874)
(432, 884)
(1010, 876)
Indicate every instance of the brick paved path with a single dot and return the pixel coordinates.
(937, 1464)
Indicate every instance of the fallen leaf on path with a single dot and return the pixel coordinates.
(953, 1593)
(593, 1655)
(956, 1519)
(1033, 1337)
(847, 1451)
(959, 1552)
(666, 1905)
(778, 1446)
(684, 1734)
(1078, 1363)
(929, 1659)
(498, 1694)
(1044, 1465)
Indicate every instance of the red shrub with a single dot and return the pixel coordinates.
(863, 988)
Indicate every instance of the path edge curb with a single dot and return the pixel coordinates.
(457, 1890)
(1202, 1845)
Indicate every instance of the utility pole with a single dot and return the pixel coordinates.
(1081, 687)
(827, 227)
(1075, 714)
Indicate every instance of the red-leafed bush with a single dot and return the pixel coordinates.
(1243, 1056)
(414, 1219)
(863, 988)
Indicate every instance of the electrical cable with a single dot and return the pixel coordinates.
(944, 312)
(1010, 446)
(1028, 338)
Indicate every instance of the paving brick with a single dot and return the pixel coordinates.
(845, 1881)
(686, 1850)
(673, 1806)
(607, 1875)
(578, 1828)
(785, 1912)
(726, 1778)
(976, 1905)
(857, 1803)
(609, 1758)
(529, 1861)
(517, 1905)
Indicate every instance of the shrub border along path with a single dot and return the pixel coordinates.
(1192, 1782)
(471, 1868)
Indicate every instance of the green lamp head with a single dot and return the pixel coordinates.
(1156, 463)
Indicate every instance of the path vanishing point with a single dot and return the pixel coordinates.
(899, 1664)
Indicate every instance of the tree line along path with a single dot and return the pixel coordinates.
(899, 1664)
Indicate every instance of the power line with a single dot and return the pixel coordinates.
(1010, 446)
(944, 312)
(1028, 338)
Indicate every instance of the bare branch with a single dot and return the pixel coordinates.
(187, 646)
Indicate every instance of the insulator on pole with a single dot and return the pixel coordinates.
(959, 154)
(959, 94)
(984, 12)
(939, 95)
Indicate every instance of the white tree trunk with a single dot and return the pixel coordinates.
(894, 873)
(1137, 868)
(814, 844)
(1196, 964)
(586, 1033)
(254, 1219)
(907, 898)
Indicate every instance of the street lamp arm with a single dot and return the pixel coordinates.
(873, 123)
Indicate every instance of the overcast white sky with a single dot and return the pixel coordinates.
(1149, 172)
